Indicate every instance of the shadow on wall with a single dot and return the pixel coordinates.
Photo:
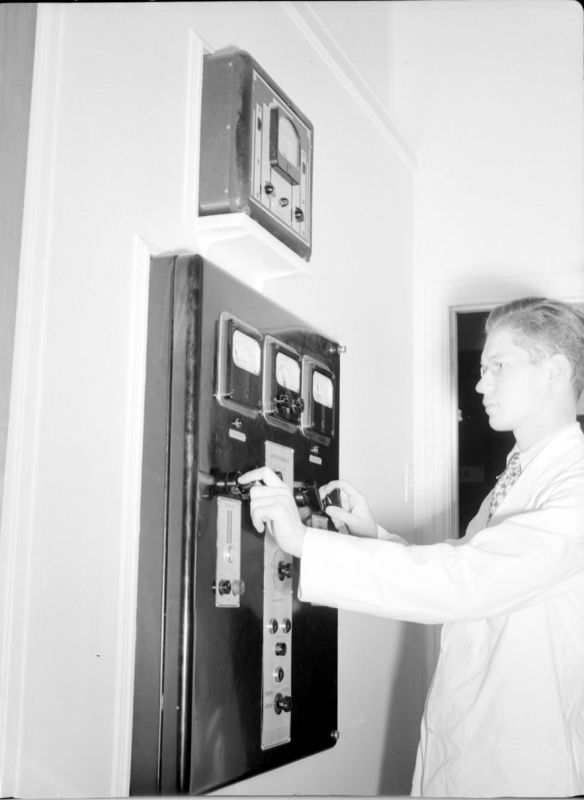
(406, 708)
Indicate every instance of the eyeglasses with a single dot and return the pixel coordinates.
(496, 366)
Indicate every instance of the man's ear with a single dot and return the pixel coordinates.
(560, 367)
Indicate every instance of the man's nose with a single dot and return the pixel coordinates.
(480, 387)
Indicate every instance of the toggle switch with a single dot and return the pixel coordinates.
(227, 483)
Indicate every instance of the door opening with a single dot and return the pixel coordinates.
(481, 450)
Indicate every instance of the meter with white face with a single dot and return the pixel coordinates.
(319, 401)
(246, 352)
(284, 145)
(283, 402)
(287, 372)
(239, 366)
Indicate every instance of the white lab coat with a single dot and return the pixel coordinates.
(505, 713)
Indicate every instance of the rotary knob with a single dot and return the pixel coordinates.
(283, 702)
(284, 570)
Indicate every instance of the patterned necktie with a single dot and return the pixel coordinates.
(504, 483)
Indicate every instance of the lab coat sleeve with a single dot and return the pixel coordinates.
(389, 537)
(525, 559)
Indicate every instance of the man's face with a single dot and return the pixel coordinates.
(515, 387)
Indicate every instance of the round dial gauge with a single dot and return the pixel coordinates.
(287, 372)
(246, 352)
(288, 141)
(322, 389)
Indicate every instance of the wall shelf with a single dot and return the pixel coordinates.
(242, 247)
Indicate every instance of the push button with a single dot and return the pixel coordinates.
(279, 675)
(273, 626)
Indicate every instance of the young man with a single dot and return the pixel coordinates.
(505, 712)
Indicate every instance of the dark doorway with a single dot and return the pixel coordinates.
(481, 450)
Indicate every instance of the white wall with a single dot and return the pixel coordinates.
(491, 94)
(111, 179)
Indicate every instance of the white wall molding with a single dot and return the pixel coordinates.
(18, 517)
(130, 520)
(341, 66)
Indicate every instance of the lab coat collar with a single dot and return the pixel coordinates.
(558, 436)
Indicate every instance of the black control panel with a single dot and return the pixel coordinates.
(234, 675)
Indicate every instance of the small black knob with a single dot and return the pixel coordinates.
(298, 405)
(224, 587)
(283, 401)
(269, 188)
(282, 703)
(281, 649)
(298, 214)
(284, 570)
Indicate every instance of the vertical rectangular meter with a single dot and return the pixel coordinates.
(256, 150)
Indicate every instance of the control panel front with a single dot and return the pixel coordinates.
(234, 675)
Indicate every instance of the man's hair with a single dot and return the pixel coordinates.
(544, 327)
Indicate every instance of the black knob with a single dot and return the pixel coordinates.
(298, 214)
(284, 570)
(269, 188)
(282, 703)
(224, 587)
(283, 401)
(298, 405)
(281, 649)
